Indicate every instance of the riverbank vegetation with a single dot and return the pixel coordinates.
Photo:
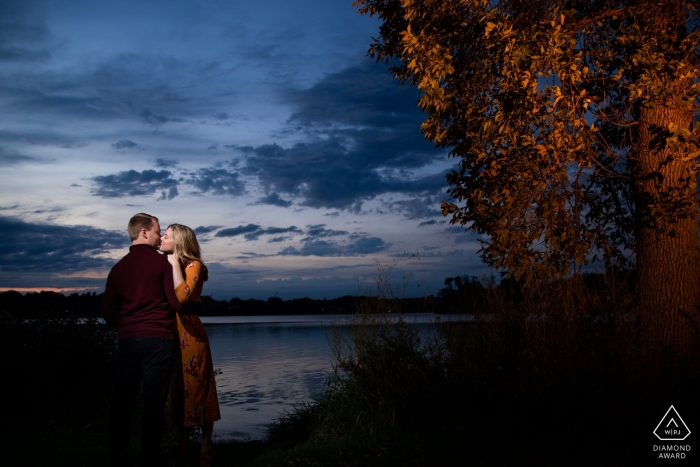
(556, 375)
(560, 375)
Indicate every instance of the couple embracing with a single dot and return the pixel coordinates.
(154, 301)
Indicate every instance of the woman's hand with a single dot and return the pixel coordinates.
(173, 259)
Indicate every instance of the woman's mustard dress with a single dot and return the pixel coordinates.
(195, 385)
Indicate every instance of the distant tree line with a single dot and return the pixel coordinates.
(54, 305)
(461, 294)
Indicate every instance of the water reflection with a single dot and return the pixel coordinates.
(269, 363)
(267, 367)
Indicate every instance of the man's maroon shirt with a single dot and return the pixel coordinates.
(139, 298)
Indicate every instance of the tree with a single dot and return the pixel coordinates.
(573, 124)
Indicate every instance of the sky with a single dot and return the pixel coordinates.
(298, 160)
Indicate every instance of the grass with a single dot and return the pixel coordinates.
(552, 377)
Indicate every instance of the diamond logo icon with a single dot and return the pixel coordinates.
(672, 427)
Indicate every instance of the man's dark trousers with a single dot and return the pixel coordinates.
(150, 360)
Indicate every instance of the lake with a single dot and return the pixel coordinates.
(269, 363)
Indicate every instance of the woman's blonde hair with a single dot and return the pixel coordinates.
(187, 247)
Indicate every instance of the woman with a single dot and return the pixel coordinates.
(195, 389)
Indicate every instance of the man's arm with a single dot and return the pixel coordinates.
(110, 306)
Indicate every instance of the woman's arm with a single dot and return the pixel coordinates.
(186, 287)
(177, 272)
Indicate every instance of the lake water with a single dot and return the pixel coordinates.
(269, 363)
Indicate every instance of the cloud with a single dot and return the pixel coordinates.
(217, 181)
(430, 222)
(124, 144)
(253, 231)
(47, 248)
(133, 183)
(319, 231)
(235, 231)
(275, 200)
(363, 139)
(8, 158)
(170, 194)
(362, 246)
(420, 206)
(149, 117)
(271, 231)
(201, 230)
(221, 116)
(314, 248)
(165, 163)
(23, 37)
(367, 245)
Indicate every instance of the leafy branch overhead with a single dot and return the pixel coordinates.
(572, 120)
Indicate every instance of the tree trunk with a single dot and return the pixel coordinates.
(668, 248)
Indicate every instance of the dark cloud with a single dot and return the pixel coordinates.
(314, 248)
(124, 144)
(165, 163)
(253, 231)
(235, 231)
(47, 248)
(367, 245)
(362, 246)
(271, 231)
(221, 116)
(319, 231)
(23, 36)
(170, 194)
(275, 200)
(364, 139)
(8, 158)
(217, 181)
(420, 206)
(201, 230)
(430, 222)
(133, 183)
(326, 174)
(149, 117)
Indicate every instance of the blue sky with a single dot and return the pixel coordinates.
(263, 125)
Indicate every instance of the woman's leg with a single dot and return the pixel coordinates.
(206, 456)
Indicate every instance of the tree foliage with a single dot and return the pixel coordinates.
(552, 108)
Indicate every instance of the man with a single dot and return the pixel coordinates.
(140, 301)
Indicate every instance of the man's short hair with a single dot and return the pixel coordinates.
(138, 222)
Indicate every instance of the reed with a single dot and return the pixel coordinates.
(541, 373)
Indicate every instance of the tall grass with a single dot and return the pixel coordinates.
(543, 374)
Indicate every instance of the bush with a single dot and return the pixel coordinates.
(59, 364)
